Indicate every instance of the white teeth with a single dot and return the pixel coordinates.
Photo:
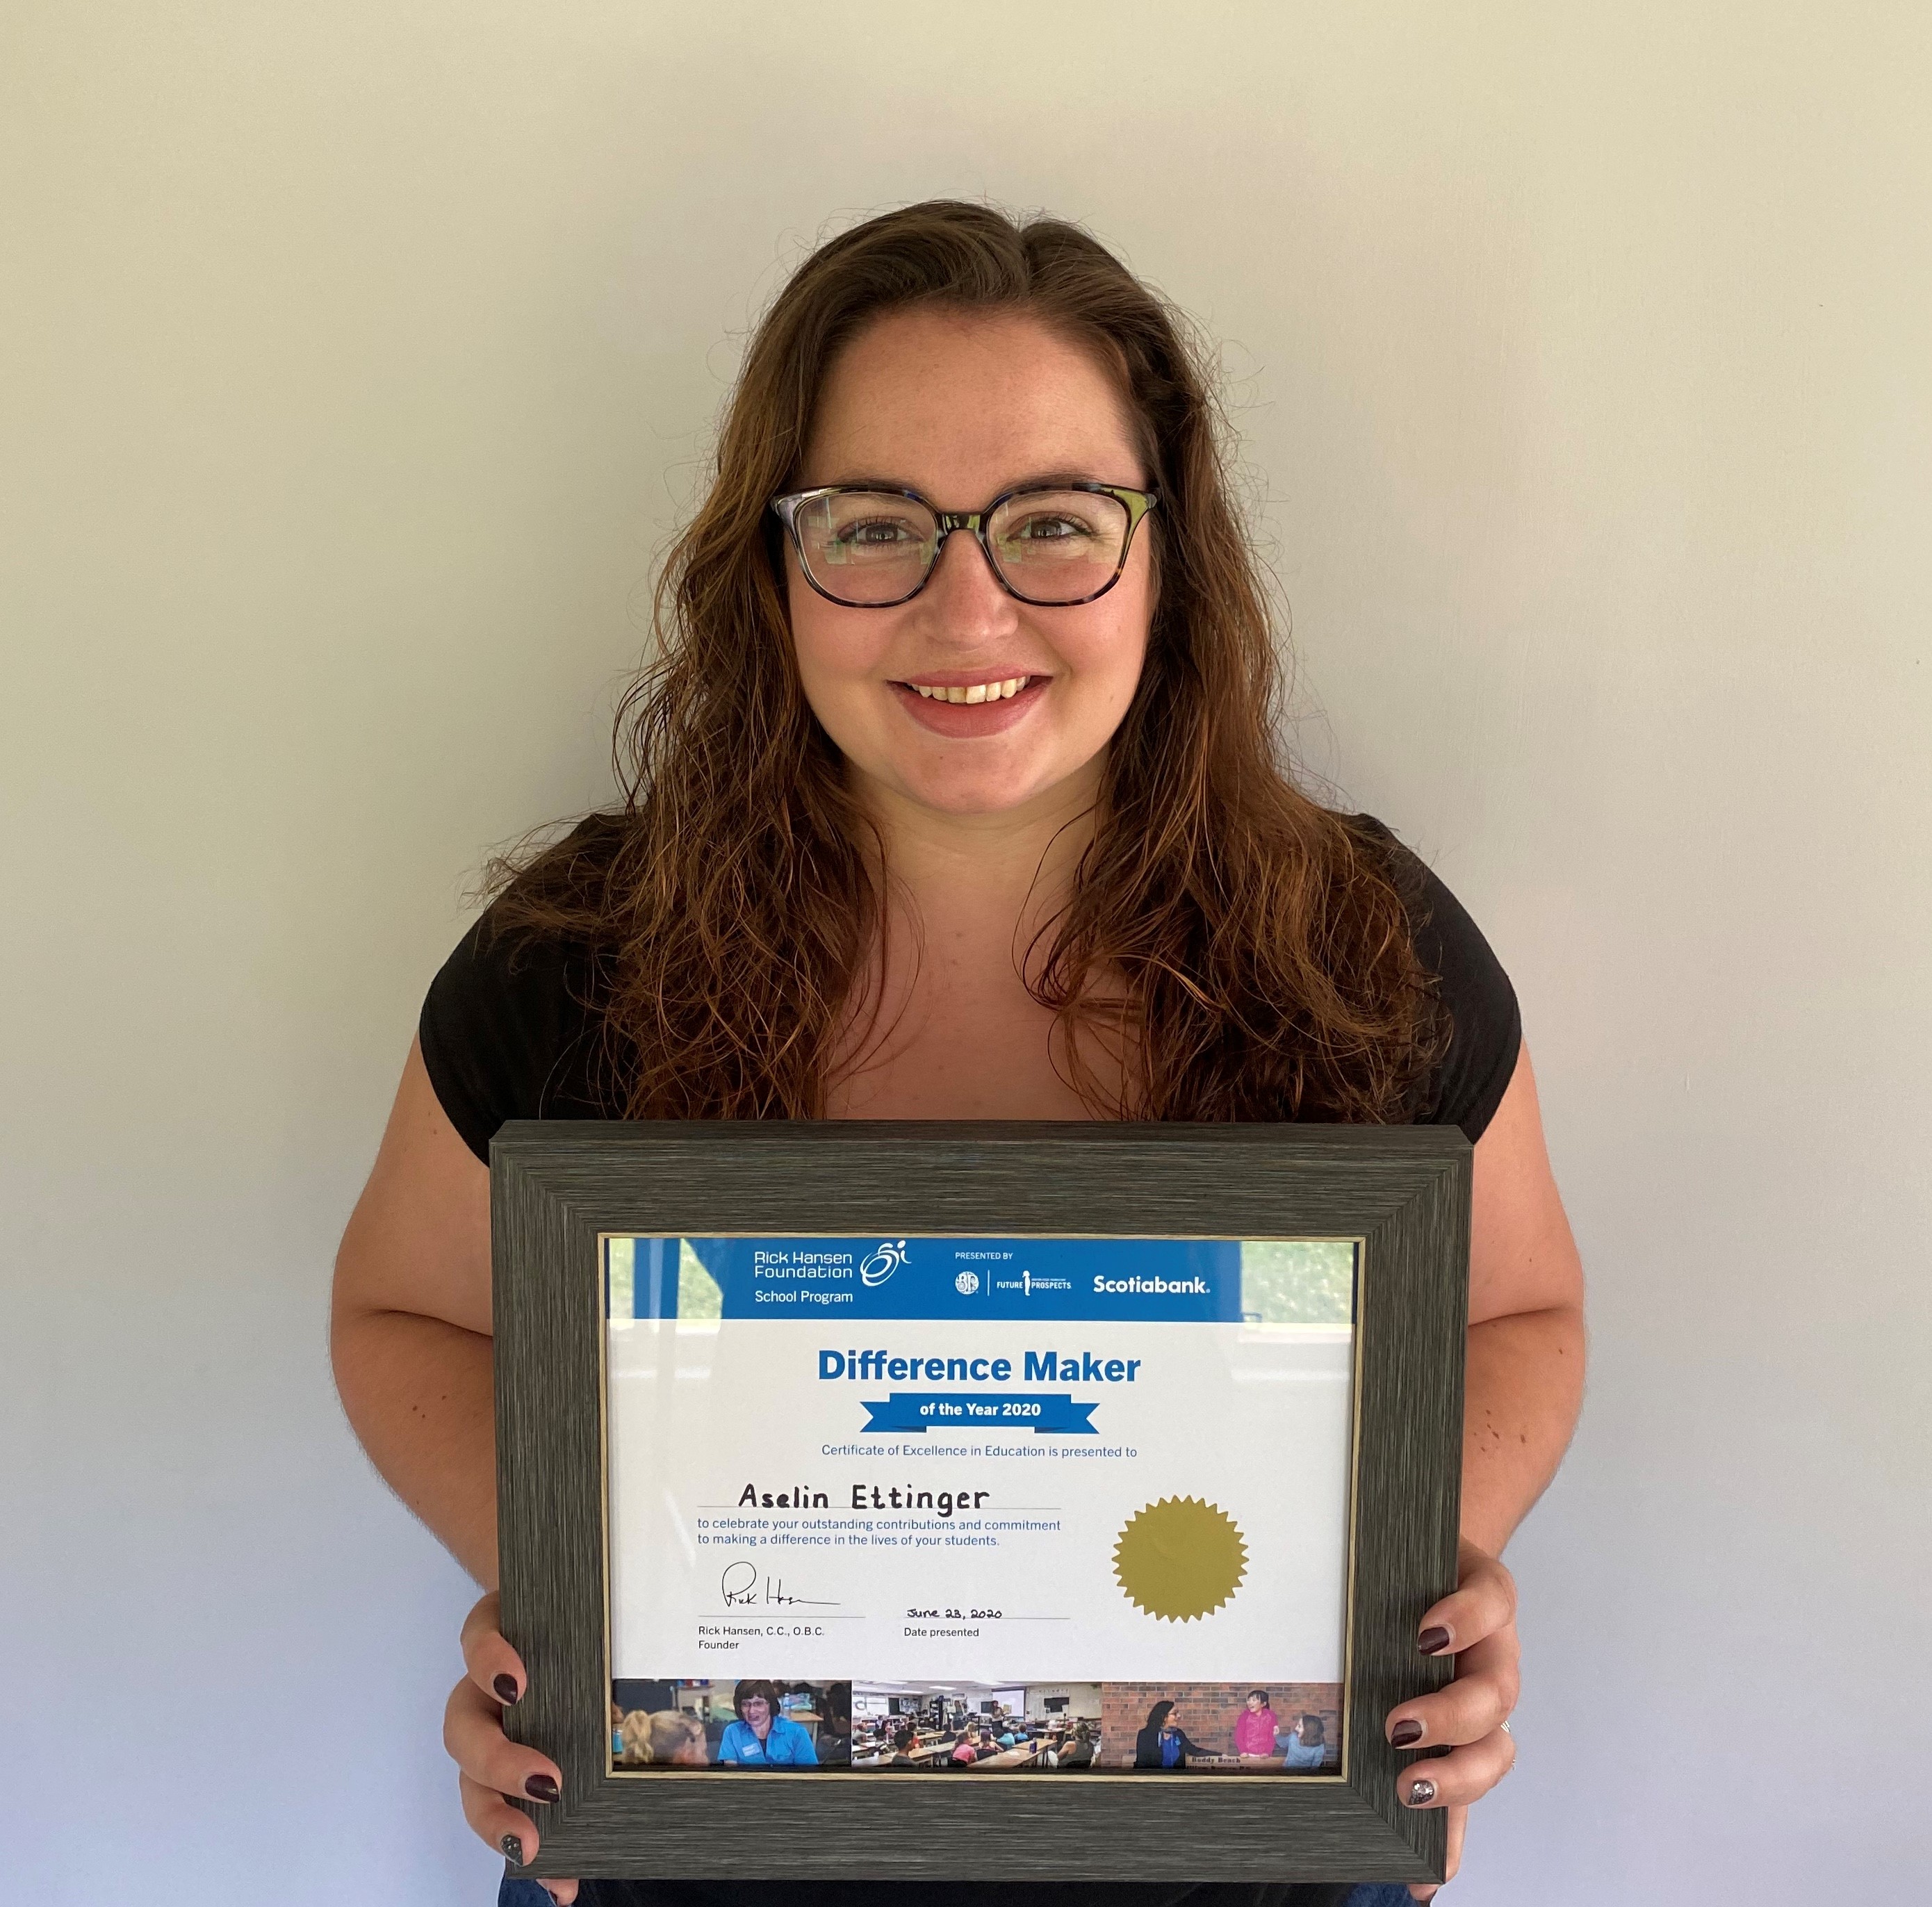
(978, 691)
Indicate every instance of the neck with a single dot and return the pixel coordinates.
(1009, 871)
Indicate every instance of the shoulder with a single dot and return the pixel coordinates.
(1484, 1021)
(511, 1027)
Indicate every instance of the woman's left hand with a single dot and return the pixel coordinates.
(1477, 1624)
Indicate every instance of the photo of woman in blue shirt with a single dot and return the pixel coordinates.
(1164, 1743)
(761, 1737)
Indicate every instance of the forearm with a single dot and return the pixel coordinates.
(419, 1394)
(1524, 1388)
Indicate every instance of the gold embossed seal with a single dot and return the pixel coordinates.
(1180, 1559)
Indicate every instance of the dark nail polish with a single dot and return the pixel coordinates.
(505, 1686)
(1421, 1793)
(1403, 1733)
(540, 1788)
(1433, 1641)
(513, 1850)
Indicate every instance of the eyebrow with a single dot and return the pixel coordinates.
(1044, 479)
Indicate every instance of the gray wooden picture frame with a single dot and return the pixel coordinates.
(555, 1186)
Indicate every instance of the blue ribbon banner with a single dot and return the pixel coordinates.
(1050, 1413)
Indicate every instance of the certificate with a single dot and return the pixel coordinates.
(1075, 1477)
(1105, 1469)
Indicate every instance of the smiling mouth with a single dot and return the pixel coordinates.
(978, 691)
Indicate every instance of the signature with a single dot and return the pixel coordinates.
(740, 1587)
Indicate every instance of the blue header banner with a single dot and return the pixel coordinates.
(1176, 1280)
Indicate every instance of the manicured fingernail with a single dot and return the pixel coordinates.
(1433, 1641)
(513, 1850)
(1403, 1733)
(540, 1788)
(1421, 1793)
(505, 1686)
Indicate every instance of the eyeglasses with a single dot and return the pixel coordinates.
(875, 549)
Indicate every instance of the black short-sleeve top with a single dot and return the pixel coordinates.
(510, 1028)
(511, 1031)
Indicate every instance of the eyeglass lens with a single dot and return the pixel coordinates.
(1050, 546)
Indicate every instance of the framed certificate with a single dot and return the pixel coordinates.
(1036, 1502)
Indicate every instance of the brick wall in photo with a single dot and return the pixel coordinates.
(1207, 1710)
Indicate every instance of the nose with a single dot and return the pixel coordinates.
(963, 596)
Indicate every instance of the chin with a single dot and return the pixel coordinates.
(982, 794)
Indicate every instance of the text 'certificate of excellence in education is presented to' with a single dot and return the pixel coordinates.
(1039, 1501)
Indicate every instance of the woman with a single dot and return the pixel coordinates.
(834, 1741)
(1307, 1744)
(1254, 1727)
(761, 1737)
(1164, 1743)
(1079, 1752)
(923, 824)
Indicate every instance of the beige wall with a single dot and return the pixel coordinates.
(354, 358)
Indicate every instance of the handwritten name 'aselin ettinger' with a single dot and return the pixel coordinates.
(865, 1496)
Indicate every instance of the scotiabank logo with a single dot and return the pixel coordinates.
(1187, 1287)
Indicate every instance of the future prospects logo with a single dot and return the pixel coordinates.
(1027, 1284)
(883, 1262)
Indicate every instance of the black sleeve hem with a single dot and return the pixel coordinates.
(506, 1034)
(1482, 1108)
(474, 1126)
(440, 1036)
(1485, 1019)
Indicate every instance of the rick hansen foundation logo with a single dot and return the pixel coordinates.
(883, 1262)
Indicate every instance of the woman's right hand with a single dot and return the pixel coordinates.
(491, 1765)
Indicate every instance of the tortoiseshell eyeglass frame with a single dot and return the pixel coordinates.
(1136, 502)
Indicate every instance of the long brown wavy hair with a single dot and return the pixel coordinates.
(1244, 951)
